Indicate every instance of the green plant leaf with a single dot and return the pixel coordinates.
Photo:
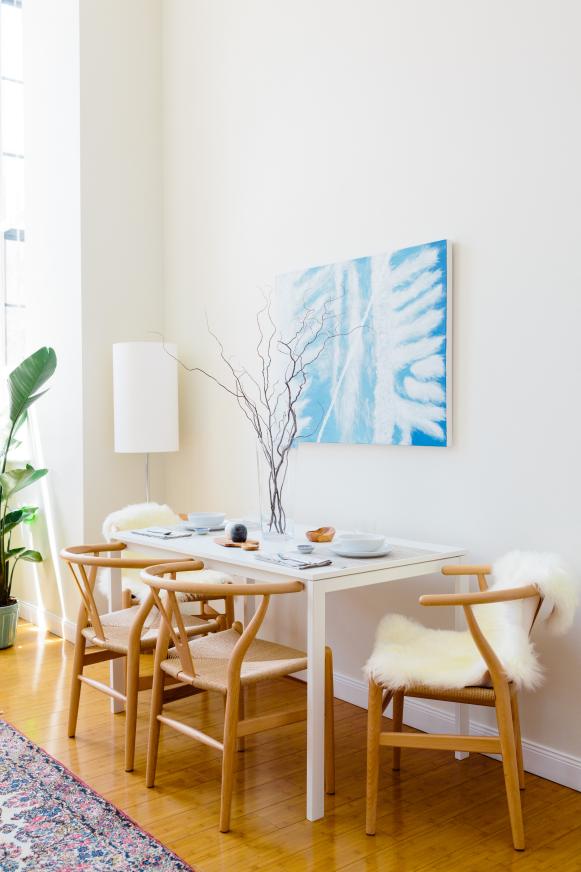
(16, 479)
(29, 513)
(31, 556)
(11, 520)
(25, 381)
(23, 515)
(13, 552)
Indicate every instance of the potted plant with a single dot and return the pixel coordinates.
(24, 385)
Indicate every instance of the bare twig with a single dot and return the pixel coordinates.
(270, 401)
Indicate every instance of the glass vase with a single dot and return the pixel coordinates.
(276, 491)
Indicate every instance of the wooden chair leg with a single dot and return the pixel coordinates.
(132, 694)
(241, 740)
(387, 697)
(76, 683)
(156, 708)
(229, 611)
(398, 700)
(517, 736)
(510, 764)
(373, 732)
(329, 724)
(229, 756)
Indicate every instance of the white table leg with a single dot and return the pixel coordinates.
(316, 702)
(116, 667)
(462, 711)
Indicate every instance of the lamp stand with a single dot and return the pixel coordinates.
(147, 478)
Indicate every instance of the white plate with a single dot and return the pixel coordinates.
(187, 525)
(380, 552)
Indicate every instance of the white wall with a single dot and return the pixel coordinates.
(299, 133)
(121, 228)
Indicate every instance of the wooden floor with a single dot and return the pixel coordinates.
(437, 813)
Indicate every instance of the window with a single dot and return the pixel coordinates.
(12, 234)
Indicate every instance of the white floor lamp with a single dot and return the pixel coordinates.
(145, 399)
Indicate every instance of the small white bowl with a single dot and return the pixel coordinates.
(305, 548)
(360, 542)
(206, 519)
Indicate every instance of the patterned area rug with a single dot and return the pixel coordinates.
(49, 819)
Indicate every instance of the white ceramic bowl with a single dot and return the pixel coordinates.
(305, 548)
(359, 543)
(206, 519)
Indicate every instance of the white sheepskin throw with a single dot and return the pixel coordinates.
(136, 517)
(407, 653)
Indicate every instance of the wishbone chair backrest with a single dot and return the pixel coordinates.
(84, 561)
(164, 582)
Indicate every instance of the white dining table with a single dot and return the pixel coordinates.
(406, 560)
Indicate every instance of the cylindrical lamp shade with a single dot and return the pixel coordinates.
(145, 396)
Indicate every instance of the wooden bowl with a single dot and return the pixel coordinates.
(322, 534)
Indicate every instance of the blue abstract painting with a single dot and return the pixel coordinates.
(383, 378)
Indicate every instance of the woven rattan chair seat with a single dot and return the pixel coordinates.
(211, 655)
(469, 695)
(117, 626)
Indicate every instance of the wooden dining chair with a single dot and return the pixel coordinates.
(498, 692)
(225, 662)
(127, 633)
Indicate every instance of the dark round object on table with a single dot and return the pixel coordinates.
(238, 533)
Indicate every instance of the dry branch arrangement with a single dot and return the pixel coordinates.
(270, 398)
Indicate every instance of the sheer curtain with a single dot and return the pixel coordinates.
(12, 168)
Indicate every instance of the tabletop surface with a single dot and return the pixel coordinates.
(403, 553)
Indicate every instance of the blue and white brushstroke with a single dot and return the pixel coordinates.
(384, 382)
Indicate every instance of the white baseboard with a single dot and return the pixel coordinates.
(422, 715)
(48, 620)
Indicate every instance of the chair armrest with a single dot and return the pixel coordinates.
(155, 579)
(92, 549)
(453, 569)
(89, 555)
(480, 597)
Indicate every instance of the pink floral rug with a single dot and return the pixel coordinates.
(50, 820)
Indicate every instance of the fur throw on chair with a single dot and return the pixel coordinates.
(136, 517)
(407, 653)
